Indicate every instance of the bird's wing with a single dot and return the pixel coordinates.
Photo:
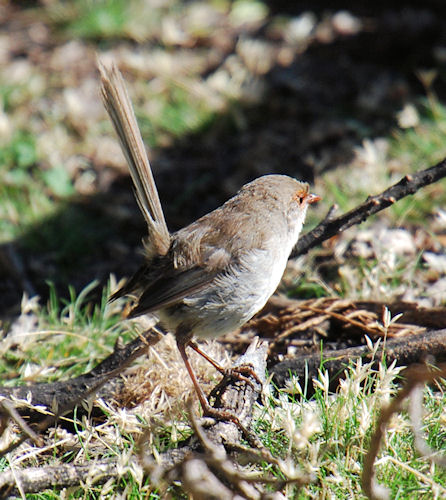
(198, 253)
(171, 288)
(166, 280)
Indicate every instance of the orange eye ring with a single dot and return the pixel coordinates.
(303, 195)
(300, 195)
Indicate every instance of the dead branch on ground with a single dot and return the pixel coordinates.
(47, 402)
(404, 351)
(212, 449)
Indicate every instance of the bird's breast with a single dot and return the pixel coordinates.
(231, 298)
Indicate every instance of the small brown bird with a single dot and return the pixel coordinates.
(212, 276)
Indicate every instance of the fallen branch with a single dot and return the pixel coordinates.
(235, 396)
(66, 394)
(35, 479)
(59, 398)
(405, 351)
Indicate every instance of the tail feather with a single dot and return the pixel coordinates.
(120, 110)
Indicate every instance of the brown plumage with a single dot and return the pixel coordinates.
(215, 274)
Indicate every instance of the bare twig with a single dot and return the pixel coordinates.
(415, 376)
(65, 392)
(35, 479)
(246, 484)
(329, 227)
(65, 395)
(11, 411)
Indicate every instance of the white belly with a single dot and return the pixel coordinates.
(234, 297)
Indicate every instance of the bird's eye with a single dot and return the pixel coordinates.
(299, 196)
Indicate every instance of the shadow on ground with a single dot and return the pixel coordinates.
(313, 114)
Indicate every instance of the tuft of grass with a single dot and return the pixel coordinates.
(307, 290)
(329, 434)
(23, 198)
(19, 152)
(70, 334)
(103, 20)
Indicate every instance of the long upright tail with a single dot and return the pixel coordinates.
(120, 110)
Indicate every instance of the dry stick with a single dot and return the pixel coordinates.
(35, 479)
(397, 349)
(68, 394)
(67, 391)
(10, 410)
(415, 376)
(343, 318)
(329, 227)
(217, 460)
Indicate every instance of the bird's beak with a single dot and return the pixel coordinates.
(313, 198)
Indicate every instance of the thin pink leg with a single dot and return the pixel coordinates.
(218, 367)
(201, 396)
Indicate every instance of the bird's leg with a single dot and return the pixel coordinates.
(182, 344)
(208, 410)
(214, 363)
(238, 372)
